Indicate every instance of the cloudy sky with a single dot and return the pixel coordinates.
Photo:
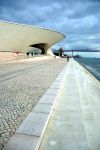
(79, 20)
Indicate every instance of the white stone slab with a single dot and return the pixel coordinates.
(60, 77)
(43, 108)
(47, 99)
(54, 87)
(52, 91)
(58, 80)
(34, 124)
(56, 83)
(22, 142)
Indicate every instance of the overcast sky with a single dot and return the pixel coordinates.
(79, 20)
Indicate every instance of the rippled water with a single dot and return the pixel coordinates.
(92, 64)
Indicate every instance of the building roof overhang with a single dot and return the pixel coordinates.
(19, 37)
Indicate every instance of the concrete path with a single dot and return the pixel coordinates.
(75, 122)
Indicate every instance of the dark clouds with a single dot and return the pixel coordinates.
(77, 19)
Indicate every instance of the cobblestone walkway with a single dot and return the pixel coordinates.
(21, 86)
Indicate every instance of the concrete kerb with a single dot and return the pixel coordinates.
(30, 133)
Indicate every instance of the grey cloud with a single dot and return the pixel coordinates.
(85, 9)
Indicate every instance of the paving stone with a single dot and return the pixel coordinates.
(52, 91)
(54, 87)
(47, 99)
(22, 142)
(56, 83)
(33, 124)
(43, 108)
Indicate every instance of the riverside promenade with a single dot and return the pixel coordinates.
(67, 118)
(75, 122)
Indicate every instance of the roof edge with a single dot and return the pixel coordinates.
(27, 25)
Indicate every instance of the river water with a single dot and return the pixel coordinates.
(92, 64)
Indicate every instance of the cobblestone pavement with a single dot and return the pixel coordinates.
(21, 86)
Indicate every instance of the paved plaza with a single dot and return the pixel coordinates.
(71, 121)
(21, 86)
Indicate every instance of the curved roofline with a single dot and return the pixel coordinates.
(33, 27)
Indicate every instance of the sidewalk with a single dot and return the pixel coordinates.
(66, 117)
(75, 121)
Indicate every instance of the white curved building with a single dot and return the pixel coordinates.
(18, 37)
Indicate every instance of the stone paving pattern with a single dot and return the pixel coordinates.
(21, 86)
